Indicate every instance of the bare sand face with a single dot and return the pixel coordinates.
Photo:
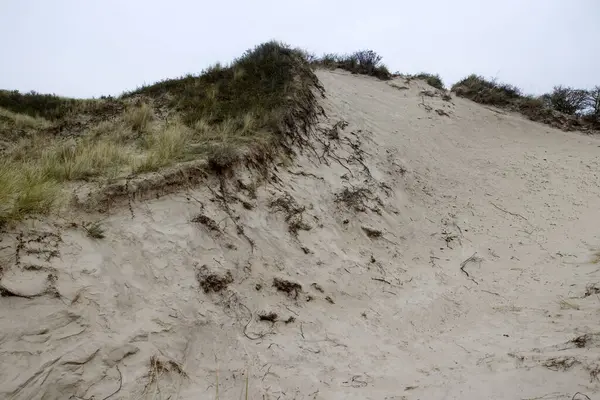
(414, 254)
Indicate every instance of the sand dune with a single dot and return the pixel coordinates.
(419, 249)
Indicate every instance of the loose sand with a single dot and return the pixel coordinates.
(375, 227)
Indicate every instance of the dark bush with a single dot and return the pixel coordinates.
(593, 102)
(534, 108)
(567, 100)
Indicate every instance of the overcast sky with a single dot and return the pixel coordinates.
(89, 48)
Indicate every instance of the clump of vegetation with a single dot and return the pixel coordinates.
(293, 213)
(566, 108)
(162, 148)
(33, 104)
(484, 91)
(270, 317)
(139, 117)
(25, 190)
(372, 233)
(207, 221)
(94, 230)
(264, 90)
(55, 108)
(593, 103)
(12, 121)
(212, 282)
(566, 100)
(433, 80)
(80, 160)
(291, 288)
(248, 110)
(365, 62)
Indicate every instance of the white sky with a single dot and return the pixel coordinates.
(87, 48)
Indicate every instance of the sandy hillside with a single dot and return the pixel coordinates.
(419, 249)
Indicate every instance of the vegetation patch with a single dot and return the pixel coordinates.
(564, 108)
(250, 110)
(291, 288)
(270, 317)
(293, 213)
(372, 233)
(433, 80)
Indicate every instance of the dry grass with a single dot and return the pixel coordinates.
(25, 190)
(163, 148)
(115, 129)
(21, 121)
(32, 170)
(139, 117)
(81, 160)
(14, 126)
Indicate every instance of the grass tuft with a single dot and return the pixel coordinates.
(138, 118)
(25, 190)
(164, 148)
(81, 160)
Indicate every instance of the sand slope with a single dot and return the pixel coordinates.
(374, 223)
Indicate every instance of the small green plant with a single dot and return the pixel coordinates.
(94, 229)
